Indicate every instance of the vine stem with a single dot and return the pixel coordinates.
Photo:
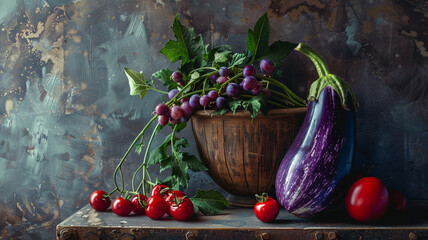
(119, 166)
(319, 63)
(143, 165)
(282, 86)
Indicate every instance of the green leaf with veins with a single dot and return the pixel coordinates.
(164, 76)
(209, 202)
(187, 46)
(240, 59)
(255, 105)
(258, 40)
(221, 111)
(278, 51)
(137, 83)
(235, 104)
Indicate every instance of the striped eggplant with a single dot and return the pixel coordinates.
(321, 154)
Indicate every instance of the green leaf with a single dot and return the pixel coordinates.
(164, 76)
(137, 83)
(235, 104)
(221, 57)
(258, 40)
(170, 181)
(187, 46)
(209, 57)
(158, 154)
(278, 51)
(209, 202)
(179, 170)
(193, 163)
(241, 59)
(179, 127)
(220, 111)
(139, 148)
(256, 104)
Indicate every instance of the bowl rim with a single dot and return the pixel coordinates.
(244, 113)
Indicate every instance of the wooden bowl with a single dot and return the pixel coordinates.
(243, 157)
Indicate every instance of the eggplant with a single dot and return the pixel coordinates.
(309, 176)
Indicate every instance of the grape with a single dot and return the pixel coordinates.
(174, 121)
(162, 109)
(185, 99)
(223, 71)
(267, 92)
(187, 109)
(256, 90)
(222, 79)
(220, 102)
(232, 90)
(213, 95)
(172, 93)
(177, 76)
(213, 78)
(194, 101)
(185, 118)
(267, 66)
(249, 83)
(176, 112)
(163, 120)
(204, 100)
(249, 70)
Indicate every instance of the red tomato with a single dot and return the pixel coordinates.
(139, 205)
(367, 199)
(170, 198)
(98, 201)
(156, 207)
(160, 189)
(121, 206)
(183, 210)
(397, 202)
(266, 209)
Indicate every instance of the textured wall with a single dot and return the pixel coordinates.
(66, 117)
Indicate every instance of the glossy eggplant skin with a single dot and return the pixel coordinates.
(318, 159)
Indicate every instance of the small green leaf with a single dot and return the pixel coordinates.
(278, 51)
(187, 46)
(220, 111)
(235, 104)
(164, 76)
(139, 148)
(209, 202)
(137, 83)
(221, 57)
(193, 163)
(255, 104)
(158, 154)
(258, 40)
(241, 59)
(195, 75)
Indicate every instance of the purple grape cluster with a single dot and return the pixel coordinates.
(248, 84)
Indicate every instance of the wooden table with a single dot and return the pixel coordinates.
(240, 223)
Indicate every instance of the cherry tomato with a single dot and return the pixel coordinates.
(367, 199)
(156, 207)
(121, 206)
(182, 210)
(397, 202)
(160, 189)
(266, 209)
(170, 198)
(139, 205)
(98, 201)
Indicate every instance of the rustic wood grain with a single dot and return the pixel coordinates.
(243, 156)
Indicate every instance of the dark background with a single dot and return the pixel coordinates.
(66, 116)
